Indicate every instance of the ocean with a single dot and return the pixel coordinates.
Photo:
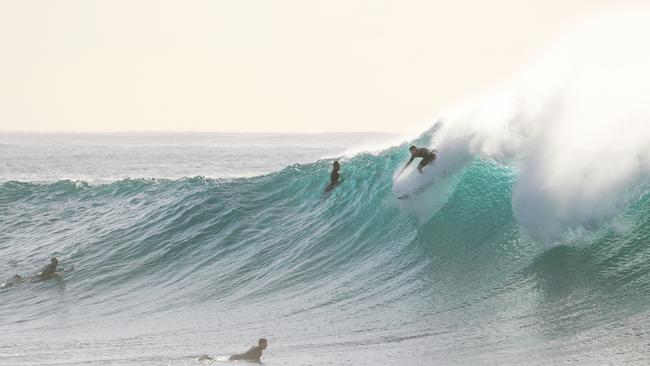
(172, 246)
(526, 241)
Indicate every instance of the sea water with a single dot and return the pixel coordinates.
(176, 245)
(527, 242)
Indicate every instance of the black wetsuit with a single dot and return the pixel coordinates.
(427, 156)
(334, 178)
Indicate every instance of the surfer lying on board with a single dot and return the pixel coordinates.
(51, 268)
(48, 271)
(253, 354)
(427, 156)
(334, 177)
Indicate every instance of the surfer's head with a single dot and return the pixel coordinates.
(336, 165)
(412, 148)
(55, 261)
(262, 343)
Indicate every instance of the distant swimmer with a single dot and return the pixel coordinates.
(253, 354)
(334, 177)
(51, 268)
(427, 156)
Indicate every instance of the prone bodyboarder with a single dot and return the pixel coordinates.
(51, 268)
(253, 354)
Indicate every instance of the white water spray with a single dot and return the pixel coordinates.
(575, 121)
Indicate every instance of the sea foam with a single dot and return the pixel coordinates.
(574, 122)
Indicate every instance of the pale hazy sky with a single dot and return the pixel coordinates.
(241, 65)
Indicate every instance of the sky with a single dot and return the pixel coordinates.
(261, 66)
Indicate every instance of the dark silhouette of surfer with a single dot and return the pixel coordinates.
(253, 354)
(48, 271)
(51, 268)
(334, 177)
(427, 156)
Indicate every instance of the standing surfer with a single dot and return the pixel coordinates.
(427, 156)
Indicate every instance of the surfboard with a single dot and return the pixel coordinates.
(416, 191)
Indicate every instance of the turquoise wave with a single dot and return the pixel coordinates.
(158, 246)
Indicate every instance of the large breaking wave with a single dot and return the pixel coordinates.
(274, 254)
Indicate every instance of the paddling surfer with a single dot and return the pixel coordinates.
(253, 354)
(51, 268)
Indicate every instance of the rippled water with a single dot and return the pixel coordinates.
(171, 262)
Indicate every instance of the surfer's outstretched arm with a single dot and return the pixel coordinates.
(407, 164)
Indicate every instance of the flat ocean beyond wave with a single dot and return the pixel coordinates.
(157, 271)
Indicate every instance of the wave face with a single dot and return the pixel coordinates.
(155, 271)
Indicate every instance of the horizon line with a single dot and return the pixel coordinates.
(194, 132)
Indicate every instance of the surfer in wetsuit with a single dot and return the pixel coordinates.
(427, 156)
(334, 177)
(51, 268)
(253, 354)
